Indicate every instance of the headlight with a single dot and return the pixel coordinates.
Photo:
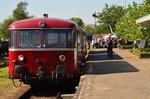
(62, 58)
(20, 57)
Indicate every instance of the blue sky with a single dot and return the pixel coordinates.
(64, 9)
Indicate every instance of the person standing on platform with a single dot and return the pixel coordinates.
(93, 43)
(110, 49)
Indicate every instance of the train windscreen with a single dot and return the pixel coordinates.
(58, 38)
(29, 39)
(43, 38)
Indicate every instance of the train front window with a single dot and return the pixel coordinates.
(29, 38)
(54, 38)
(58, 38)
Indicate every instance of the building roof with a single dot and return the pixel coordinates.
(145, 20)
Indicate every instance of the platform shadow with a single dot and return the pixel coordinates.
(101, 55)
(98, 63)
(109, 67)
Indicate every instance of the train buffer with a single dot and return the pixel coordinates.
(123, 77)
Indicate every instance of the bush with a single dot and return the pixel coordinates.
(141, 52)
(126, 46)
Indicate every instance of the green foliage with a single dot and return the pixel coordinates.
(78, 21)
(141, 52)
(18, 14)
(3, 73)
(4, 27)
(90, 29)
(144, 49)
(126, 46)
(127, 28)
(109, 16)
(104, 28)
(4, 79)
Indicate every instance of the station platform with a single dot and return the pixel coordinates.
(123, 77)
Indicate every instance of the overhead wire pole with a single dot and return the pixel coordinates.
(125, 4)
(95, 16)
(95, 34)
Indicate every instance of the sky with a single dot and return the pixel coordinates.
(63, 9)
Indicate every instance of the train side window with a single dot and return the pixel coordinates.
(71, 39)
(12, 36)
(79, 38)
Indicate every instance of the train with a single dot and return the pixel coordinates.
(4, 48)
(46, 50)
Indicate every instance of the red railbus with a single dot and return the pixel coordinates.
(44, 49)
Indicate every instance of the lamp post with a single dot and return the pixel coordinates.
(125, 4)
(95, 16)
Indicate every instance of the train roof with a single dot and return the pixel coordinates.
(40, 23)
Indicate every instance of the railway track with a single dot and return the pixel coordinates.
(59, 91)
(41, 92)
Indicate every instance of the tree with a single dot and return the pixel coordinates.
(109, 17)
(20, 12)
(78, 21)
(89, 28)
(4, 27)
(127, 28)
(144, 9)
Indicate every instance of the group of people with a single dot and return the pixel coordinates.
(103, 43)
(109, 44)
(100, 44)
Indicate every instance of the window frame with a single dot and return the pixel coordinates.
(70, 35)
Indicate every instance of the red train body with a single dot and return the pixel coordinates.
(46, 48)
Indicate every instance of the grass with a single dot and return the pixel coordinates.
(4, 79)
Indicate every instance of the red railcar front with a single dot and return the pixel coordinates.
(45, 48)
